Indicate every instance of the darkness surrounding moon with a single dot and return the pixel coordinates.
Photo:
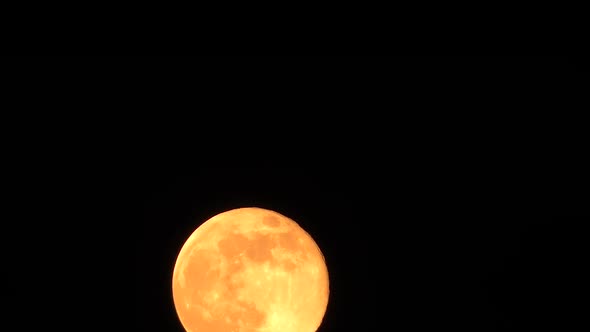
(428, 223)
(442, 190)
(421, 269)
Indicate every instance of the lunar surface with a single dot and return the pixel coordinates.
(250, 270)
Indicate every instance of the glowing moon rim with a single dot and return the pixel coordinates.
(250, 270)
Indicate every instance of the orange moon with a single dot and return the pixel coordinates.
(250, 270)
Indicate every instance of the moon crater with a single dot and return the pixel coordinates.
(249, 270)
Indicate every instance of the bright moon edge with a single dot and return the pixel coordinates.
(250, 269)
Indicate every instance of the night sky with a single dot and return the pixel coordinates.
(419, 232)
(395, 257)
(437, 203)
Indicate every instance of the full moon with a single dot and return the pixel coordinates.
(250, 270)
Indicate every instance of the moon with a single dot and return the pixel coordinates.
(250, 270)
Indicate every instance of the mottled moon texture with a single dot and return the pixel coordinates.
(250, 270)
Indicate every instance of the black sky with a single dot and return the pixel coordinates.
(433, 185)
(423, 226)
(396, 257)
